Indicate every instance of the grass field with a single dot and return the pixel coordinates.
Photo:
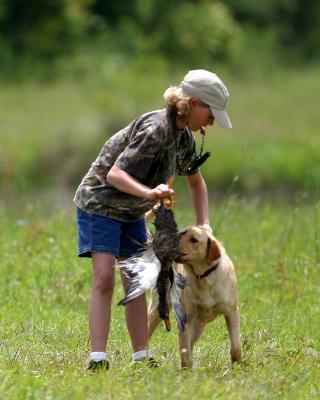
(264, 182)
(51, 131)
(44, 291)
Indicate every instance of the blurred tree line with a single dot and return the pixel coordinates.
(179, 30)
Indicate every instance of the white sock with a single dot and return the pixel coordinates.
(98, 356)
(140, 355)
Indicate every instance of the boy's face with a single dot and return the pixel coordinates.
(200, 115)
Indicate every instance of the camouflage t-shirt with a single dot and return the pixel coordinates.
(151, 149)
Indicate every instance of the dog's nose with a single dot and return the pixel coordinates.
(179, 256)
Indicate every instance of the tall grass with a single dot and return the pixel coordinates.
(51, 132)
(44, 292)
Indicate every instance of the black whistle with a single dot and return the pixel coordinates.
(197, 161)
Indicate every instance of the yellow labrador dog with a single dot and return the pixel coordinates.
(211, 290)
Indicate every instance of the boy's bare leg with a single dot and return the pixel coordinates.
(137, 320)
(100, 303)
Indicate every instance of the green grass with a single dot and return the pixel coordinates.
(51, 131)
(44, 291)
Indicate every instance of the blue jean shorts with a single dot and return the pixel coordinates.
(101, 234)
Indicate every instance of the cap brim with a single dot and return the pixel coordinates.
(222, 118)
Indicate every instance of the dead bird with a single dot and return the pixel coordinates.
(166, 248)
(154, 267)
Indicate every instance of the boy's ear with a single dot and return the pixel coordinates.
(213, 251)
(193, 102)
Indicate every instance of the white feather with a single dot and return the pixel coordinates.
(176, 288)
(142, 272)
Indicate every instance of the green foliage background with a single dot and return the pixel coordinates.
(74, 72)
(35, 33)
(50, 133)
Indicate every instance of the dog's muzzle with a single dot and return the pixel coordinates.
(179, 257)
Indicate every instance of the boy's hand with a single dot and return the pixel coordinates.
(161, 191)
(207, 227)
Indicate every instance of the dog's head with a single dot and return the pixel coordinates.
(197, 245)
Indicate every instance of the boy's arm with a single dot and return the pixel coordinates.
(124, 182)
(199, 196)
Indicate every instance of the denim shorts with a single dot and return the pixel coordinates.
(101, 234)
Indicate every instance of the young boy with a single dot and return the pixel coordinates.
(126, 180)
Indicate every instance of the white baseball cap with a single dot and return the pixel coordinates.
(210, 90)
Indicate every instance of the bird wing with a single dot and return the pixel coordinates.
(142, 271)
(178, 284)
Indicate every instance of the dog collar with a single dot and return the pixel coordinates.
(212, 268)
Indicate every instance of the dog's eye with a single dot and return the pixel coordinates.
(193, 240)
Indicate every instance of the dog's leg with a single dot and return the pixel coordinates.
(195, 332)
(233, 325)
(153, 313)
(153, 322)
(187, 339)
(184, 348)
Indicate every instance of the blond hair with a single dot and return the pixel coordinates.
(177, 100)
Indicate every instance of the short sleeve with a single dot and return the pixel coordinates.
(142, 150)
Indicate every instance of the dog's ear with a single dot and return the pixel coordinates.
(213, 251)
